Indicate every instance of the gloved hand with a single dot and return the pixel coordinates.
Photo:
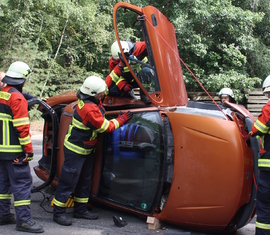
(122, 118)
(127, 88)
(28, 157)
(121, 64)
(132, 59)
(246, 137)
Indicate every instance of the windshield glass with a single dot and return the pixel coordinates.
(133, 162)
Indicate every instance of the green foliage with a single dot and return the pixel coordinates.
(34, 114)
(216, 40)
(239, 83)
(224, 42)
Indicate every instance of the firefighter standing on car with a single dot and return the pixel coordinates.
(261, 128)
(120, 81)
(15, 151)
(76, 175)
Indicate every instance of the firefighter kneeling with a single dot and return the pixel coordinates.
(76, 175)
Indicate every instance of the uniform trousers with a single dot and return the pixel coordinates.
(16, 179)
(76, 177)
(263, 203)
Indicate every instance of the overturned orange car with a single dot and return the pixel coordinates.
(184, 162)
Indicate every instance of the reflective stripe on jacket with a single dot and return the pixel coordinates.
(261, 128)
(88, 120)
(121, 76)
(14, 124)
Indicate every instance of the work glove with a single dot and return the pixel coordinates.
(132, 59)
(28, 157)
(246, 137)
(127, 88)
(122, 118)
(91, 143)
(121, 64)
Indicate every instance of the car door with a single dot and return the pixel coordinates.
(133, 163)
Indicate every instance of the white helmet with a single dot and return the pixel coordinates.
(116, 50)
(226, 91)
(17, 73)
(92, 86)
(266, 84)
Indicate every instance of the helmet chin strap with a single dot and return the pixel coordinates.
(102, 99)
(19, 87)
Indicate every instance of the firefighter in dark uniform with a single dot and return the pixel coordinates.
(120, 81)
(15, 151)
(261, 128)
(76, 175)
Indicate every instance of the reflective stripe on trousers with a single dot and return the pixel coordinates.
(76, 177)
(263, 203)
(15, 179)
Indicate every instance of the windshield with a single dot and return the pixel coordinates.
(133, 162)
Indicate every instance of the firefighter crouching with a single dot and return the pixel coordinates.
(76, 175)
(261, 128)
(15, 151)
(120, 82)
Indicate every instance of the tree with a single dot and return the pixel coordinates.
(65, 41)
(224, 42)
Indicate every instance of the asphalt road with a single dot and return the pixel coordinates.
(42, 214)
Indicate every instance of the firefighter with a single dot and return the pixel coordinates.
(226, 94)
(120, 81)
(261, 128)
(15, 151)
(76, 175)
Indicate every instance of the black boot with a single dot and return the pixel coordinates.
(7, 219)
(30, 226)
(86, 215)
(62, 220)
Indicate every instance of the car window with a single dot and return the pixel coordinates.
(133, 162)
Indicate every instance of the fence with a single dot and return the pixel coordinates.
(256, 100)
